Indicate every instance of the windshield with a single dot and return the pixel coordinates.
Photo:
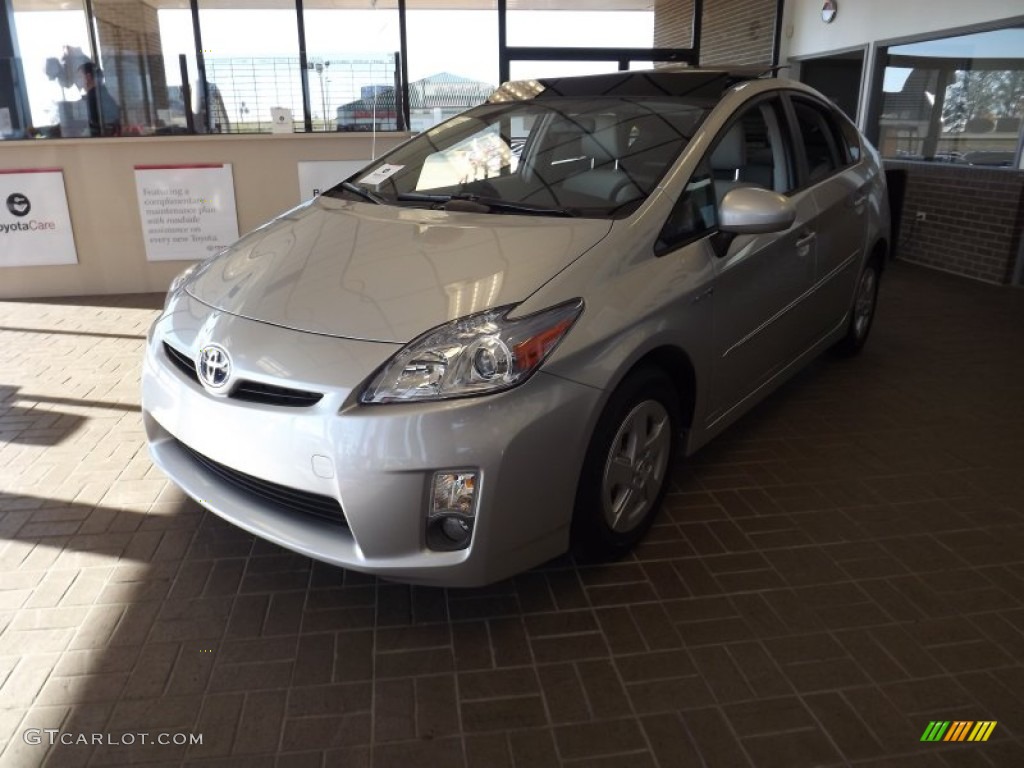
(592, 157)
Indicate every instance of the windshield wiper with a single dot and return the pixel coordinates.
(486, 203)
(362, 192)
(505, 205)
(421, 197)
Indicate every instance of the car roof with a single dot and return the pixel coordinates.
(673, 82)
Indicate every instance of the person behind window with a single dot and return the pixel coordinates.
(104, 111)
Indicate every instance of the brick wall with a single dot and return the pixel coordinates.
(673, 23)
(737, 32)
(973, 219)
(734, 31)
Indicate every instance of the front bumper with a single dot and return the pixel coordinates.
(377, 461)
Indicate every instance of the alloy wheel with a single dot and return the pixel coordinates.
(864, 306)
(636, 465)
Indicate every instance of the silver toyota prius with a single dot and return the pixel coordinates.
(488, 346)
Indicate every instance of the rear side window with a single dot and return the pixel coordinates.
(817, 140)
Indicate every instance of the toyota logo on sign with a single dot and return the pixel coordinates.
(18, 204)
(214, 367)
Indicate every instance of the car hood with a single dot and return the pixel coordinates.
(386, 273)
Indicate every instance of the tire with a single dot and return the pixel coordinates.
(862, 313)
(625, 472)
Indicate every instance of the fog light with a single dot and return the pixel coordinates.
(452, 511)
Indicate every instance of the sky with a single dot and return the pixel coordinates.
(459, 42)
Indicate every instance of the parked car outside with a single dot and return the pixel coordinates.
(490, 345)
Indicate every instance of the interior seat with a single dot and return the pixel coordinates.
(652, 151)
(608, 184)
(729, 160)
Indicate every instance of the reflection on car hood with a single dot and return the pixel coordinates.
(385, 273)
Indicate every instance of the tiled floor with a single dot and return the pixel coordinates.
(842, 567)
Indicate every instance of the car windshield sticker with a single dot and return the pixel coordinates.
(382, 173)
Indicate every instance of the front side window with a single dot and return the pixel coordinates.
(592, 157)
(749, 152)
(694, 215)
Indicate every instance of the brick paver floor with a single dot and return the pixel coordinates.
(839, 569)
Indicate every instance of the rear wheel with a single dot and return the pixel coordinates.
(625, 473)
(862, 314)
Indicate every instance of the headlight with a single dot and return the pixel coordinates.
(473, 355)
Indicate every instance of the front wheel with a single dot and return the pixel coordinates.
(862, 314)
(625, 473)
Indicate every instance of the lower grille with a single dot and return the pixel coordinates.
(288, 499)
(270, 394)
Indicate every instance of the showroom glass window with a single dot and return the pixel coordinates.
(136, 55)
(956, 99)
(352, 57)
(178, 46)
(453, 58)
(53, 42)
(613, 24)
(136, 67)
(252, 66)
(555, 25)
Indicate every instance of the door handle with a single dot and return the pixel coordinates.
(703, 295)
(804, 241)
(859, 202)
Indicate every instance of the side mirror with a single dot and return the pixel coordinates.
(754, 211)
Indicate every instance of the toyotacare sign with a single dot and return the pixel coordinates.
(34, 221)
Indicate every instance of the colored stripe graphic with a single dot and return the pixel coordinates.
(982, 730)
(958, 730)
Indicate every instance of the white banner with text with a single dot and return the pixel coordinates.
(188, 211)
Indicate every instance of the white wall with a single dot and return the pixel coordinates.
(860, 22)
(100, 181)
